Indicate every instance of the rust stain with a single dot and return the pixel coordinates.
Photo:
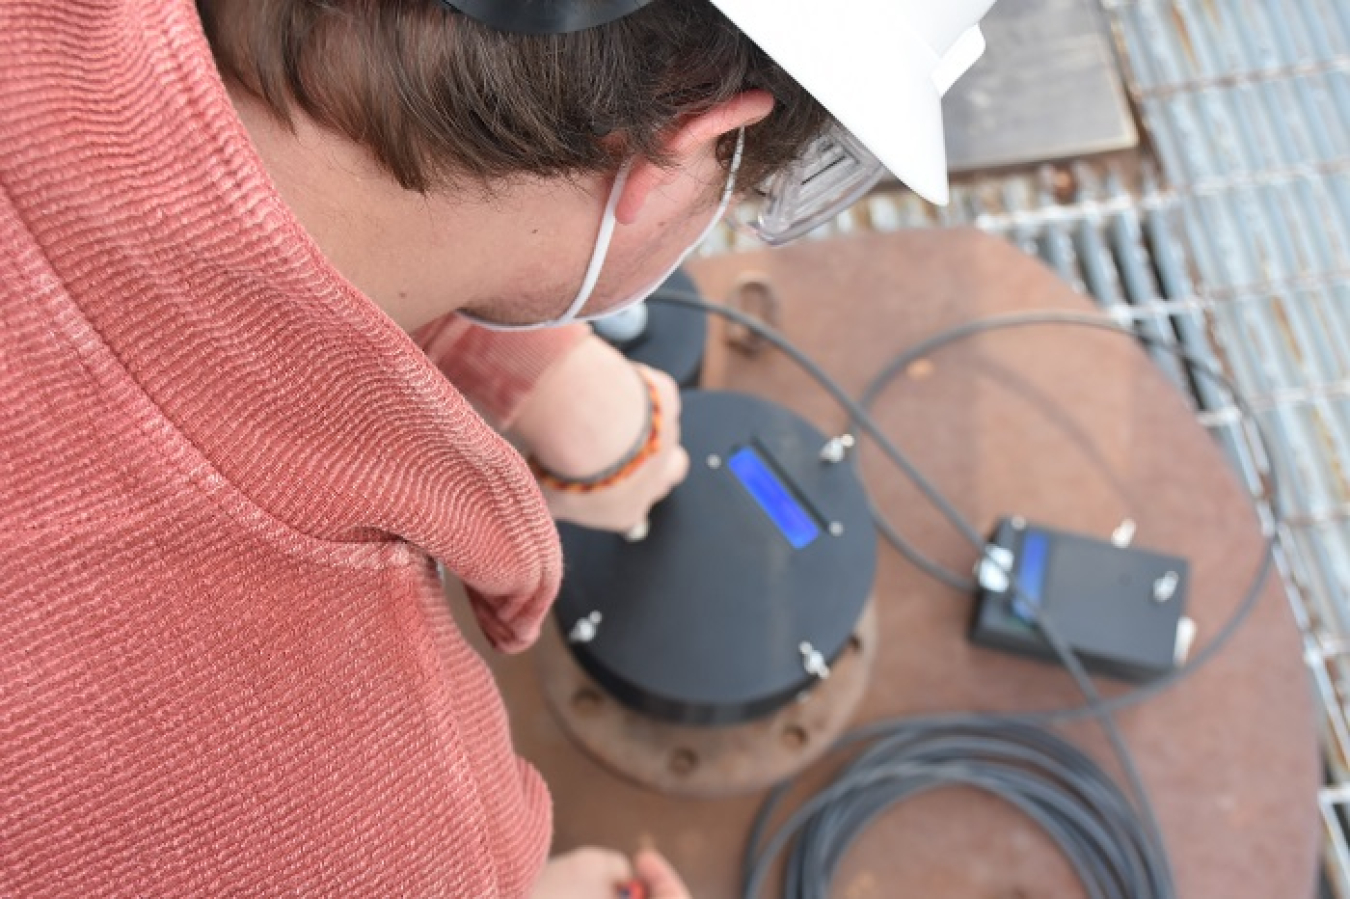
(1342, 752)
(1213, 330)
(1319, 312)
(919, 370)
(1212, 10)
(1333, 457)
(863, 886)
(1281, 313)
(1184, 32)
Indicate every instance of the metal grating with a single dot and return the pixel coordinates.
(1248, 106)
(1232, 238)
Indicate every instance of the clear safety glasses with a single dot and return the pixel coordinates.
(833, 174)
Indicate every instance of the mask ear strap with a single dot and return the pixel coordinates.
(608, 222)
(735, 171)
(728, 193)
(601, 251)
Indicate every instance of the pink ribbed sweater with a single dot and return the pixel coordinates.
(225, 664)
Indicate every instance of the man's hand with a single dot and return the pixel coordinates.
(583, 874)
(587, 413)
(661, 880)
(599, 874)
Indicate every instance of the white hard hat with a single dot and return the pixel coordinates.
(880, 67)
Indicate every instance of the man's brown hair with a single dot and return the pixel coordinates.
(436, 96)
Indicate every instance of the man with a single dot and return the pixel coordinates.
(248, 248)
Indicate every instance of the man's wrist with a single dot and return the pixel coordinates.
(647, 445)
(586, 414)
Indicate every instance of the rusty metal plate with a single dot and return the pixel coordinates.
(1074, 430)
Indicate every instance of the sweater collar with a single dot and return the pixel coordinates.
(288, 382)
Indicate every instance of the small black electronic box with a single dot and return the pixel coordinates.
(1121, 609)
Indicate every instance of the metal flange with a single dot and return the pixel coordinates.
(706, 761)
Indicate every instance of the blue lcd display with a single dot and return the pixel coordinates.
(1031, 567)
(788, 515)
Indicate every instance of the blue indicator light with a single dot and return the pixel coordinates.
(1031, 568)
(792, 520)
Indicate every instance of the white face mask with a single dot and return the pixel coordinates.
(601, 251)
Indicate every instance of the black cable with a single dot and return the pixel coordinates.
(953, 515)
(916, 556)
(910, 355)
(1047, 778)
(1197, 365)
(1092, 860)
(840, 395)
(858, 414)
(1062, 650)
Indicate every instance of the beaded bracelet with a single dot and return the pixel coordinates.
(647, 445)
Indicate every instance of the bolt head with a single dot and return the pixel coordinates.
(586, 629)
(1165, 587)
(835, 451)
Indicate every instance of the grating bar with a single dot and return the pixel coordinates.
(1332, 802)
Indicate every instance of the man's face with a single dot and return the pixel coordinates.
(516, 254)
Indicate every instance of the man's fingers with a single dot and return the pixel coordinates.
(659, 876)
(678, 470)
(666, 390)
(618, 868)
(613, 867)
(674, 433)
(583, 872)
(672, 398)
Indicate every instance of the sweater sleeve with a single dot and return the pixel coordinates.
(496, 370)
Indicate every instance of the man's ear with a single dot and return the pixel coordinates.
(684, 145)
